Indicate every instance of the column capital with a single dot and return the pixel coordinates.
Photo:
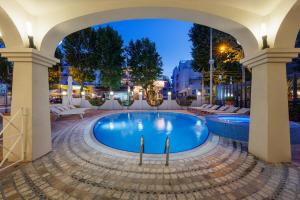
(271, 55)
(28, 55)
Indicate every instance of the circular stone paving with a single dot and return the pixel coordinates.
(81, 168)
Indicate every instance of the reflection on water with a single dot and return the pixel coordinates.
(140, 126)
(164, 125)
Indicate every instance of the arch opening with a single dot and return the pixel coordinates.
(53, 36)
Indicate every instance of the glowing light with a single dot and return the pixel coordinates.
(29, 29)
(298, 93)
(160, 124)
(1, 34)
(93, 95)
(198, 93)
(64, 93)
(111, 93)
(169, 93)
(140, 93)
(83, 93)
(169, 126)
(263, 29)
(111, 126)
(222, 48)
(140, 126)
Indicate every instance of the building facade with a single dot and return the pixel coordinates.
(186, 81)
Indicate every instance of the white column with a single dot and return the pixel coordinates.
(140, 95)
(269, 137)
(30, 90)
(243, 85)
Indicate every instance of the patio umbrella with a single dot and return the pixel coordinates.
(70, 90)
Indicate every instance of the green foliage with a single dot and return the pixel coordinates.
(126, 102)
(144, 61)
(184, 101)
(97, 101)
(5, 68)
(55, 71)
(226, 59)
(78, 48)
(109, 56)
(152, 98)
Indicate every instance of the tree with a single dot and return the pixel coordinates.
(109, 55)
(55, 71)
(5, 68)
(145, 63)
(78, 48)
(226, 53)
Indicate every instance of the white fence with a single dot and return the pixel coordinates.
(137, 105)
(13, 127)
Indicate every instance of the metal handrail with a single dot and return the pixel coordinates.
(19, 138)
(167, 150)
(141, 150)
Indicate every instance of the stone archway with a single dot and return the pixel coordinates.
(59, 31)
(10, 34)
(242, 21)
(287, 33)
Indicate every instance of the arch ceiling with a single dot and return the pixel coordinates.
(54, 19)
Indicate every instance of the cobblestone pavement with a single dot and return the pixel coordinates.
(77, 169)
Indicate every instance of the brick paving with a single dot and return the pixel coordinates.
(80, 168)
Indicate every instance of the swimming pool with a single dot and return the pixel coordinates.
(123, 131)
(237, 127)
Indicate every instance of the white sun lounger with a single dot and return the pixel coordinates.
(230, 110)
(60, 111)
(221, 109)
(214, 107)
(200, 107)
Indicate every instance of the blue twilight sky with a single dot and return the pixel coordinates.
(170, 36)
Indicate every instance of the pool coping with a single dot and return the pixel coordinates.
(90, 139)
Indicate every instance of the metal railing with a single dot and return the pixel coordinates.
(17, 138)
(141, 150)
(167, 150)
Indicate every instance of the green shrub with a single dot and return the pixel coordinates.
(97, 101)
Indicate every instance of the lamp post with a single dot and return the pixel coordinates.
(140, 95)
(169, 95)
(111, 95)
(199, 97)
(211, 63)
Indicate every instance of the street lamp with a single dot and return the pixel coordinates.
(169, 95)
(222, 48)
(199, 97)
(211, 63)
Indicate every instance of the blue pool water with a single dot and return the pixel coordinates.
(237, 127)
(123, 131)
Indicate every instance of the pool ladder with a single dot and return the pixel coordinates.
(141, 150)
(167, 150)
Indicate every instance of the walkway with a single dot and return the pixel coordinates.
(76, 169)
